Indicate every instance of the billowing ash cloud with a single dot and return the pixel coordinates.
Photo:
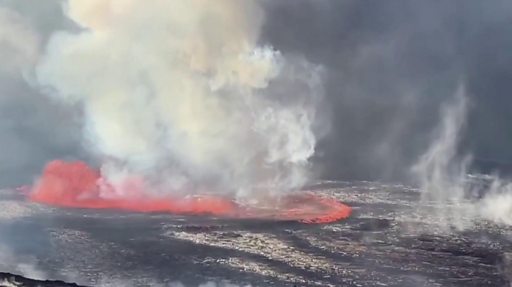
(182, 93)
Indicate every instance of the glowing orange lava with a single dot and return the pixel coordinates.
(75, 184)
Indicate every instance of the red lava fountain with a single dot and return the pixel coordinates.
(76, 185)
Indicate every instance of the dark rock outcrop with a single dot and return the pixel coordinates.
(11, 280)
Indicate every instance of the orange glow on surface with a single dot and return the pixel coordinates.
(76, 185)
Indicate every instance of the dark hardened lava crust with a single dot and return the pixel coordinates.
(390, 240)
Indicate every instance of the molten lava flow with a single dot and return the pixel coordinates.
(75, 184)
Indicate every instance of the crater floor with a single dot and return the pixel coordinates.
(390, 240)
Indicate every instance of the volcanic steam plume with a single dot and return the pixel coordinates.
(178, 98)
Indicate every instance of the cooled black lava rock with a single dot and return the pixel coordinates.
(11, 280)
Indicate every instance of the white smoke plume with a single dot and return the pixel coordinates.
(444, 179)
(182, 93)
(440, 168)
(497, 205)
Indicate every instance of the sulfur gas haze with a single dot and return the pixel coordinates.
(183, 93)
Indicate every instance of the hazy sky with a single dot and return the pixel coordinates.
(391, 64)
